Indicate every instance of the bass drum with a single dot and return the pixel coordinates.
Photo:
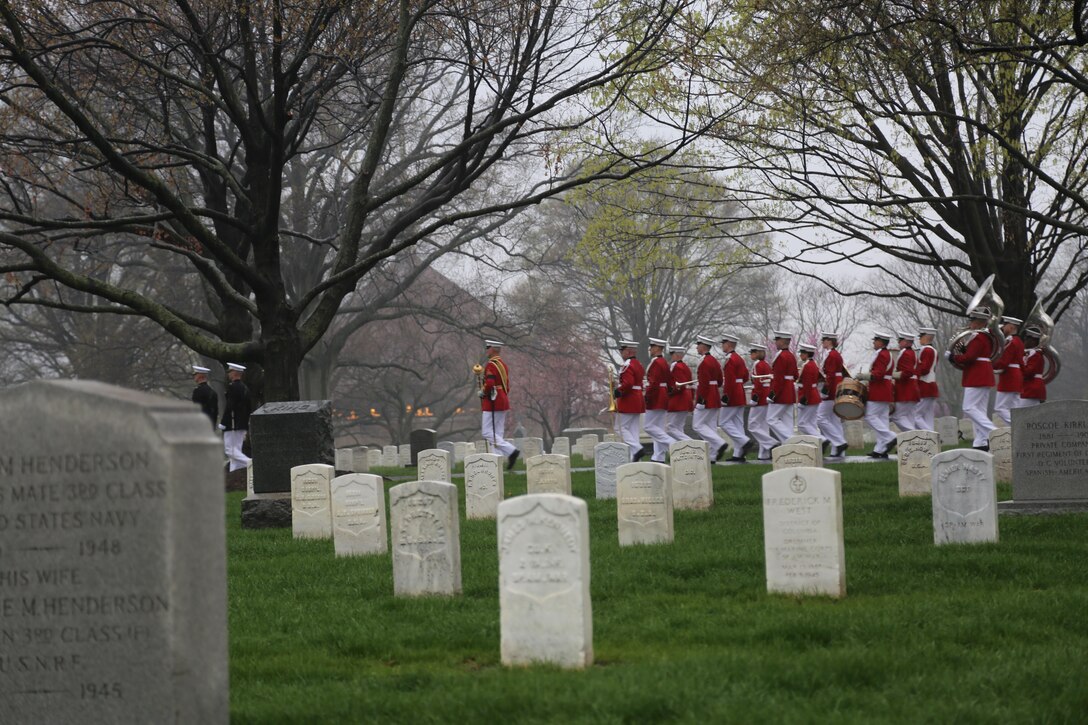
(850, 400)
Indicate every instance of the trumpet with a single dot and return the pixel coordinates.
(611, 392)
(985, 298)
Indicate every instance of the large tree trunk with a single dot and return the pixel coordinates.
(282, 360)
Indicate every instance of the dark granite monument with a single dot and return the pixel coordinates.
(285, 435)
(1049, 459)
(422, 439)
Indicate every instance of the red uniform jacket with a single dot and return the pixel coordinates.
(784, 368)
(927, 360)
(810, 383)
(761, 388)
(1012, 357)
(710, 382)
(658, 384)
(735, 374)
(834, 372)
(880, 377)
(496, 384)
(978, 371)
(906, 387)
(630, 399)
(684, 398)
(1034, 387)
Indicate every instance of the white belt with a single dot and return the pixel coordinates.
(713, 382)
(982, 359)
(788, 377)
(1012, 366)
(636, 387)
(739, 380)
(838, 375)
(662, 385)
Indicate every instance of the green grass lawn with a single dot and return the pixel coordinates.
(985, 633)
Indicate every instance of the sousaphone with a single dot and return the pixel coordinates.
(985, 299)
(1040, 320)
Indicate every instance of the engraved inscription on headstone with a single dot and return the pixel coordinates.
(113, 595)
(916, 449)
(607, 457)
(964, 497)
(814, 441)
(426, 538)
(948, 429)
(358, 515)
(802, 532)
(434, 465)
(483, 485)
(1001, 450)
(1050, 453)
(691, 482)
(544, 600)
(793, 455)
(285, 435)
(548, 473)
(311, 505)
(644, 503)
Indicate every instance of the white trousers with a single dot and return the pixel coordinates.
(656, 424)
(627, 430)
(731, 420)
(975, 401)
(926, 414)
(493, 427)
(830, 424)
(808, 420)
(705, 423)
(1003, 405)
(232, 446)
(780, 421)
(757, 426)
(1029, 402)
(676, 420)
(905, 416)
(876, 415)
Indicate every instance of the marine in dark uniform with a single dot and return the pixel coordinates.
(203, 395)
(235, 422)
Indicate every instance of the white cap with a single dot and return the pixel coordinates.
(829, 336)
(881, 335)
(658, 341)
(1006, 320)
(236, 367)
(805, 347)
(1033, 330)
(726, 337)
(201, 369)
(757, 346)
(493, 343)
(704, 340)
(979, 313)
(626, 343)
(905, 335)
(677, 348)
(780, 335)
(927, 331)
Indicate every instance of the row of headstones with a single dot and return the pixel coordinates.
(917, 449)
(949, 430)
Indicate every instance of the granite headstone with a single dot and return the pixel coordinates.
(964, 497)
(358, 515)
(644, 503)
(422, 439)
(484, 487)
(915, 450)
(607, 457)
(548, 473)
(691, 479)
(426, 538)
(1049, 458)
(311, 503)
(285, 435)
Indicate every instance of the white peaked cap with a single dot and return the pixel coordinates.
(881, 335)
(757, 346)
(236, 366)
(905, 335)
(780, 335)
(927, 330)
(627, 343)
(658, 341)
(805, 347)
(726, 337)
(829, 336)
(704, 340)
(493, 343)
(1011, 320)
(201, 369)
(677, 348)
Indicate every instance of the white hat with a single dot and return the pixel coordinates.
(757, 346)
(201, 369)
(236, 367)
(805, 347)
(626, 343)
(779, 335)
(829, 336)
(704, 340)
(927, 330)
(658, 341)
(493, 343)
(726, 337)
(1033, 330)
(1007, 320)
(905, 335)
(677, 348)
(979, 313)
(881, 335)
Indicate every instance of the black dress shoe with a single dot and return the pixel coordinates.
(982, 448)
(737, 459)
(747, 448)
(720, 453)
(512, 460)
(874, 454)
(638, 455)
(840, 451)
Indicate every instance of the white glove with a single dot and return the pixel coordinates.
(864, 377)
(221, 427)
(700, 406)
(947, 354)
(897, 375)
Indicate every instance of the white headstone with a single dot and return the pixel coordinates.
(390, 457)
(607, 457)
(916, 449)
(611, 438)
(691, 480)
(531, 447)
(967, 429)
(548, 473)
(483, 485)
(373, 458)
(644, 503)
(434, 464)
(802, 532)
(360, 459)
(358, 515)
(404, 455)
(794, 455)
(460, 450)
(481, 447)
(426, 538)
(587, 444)
(561, 446)
(964, 497)
(948, 430)
(311, 505)
(1001, 450)
(544, 600)
(855, 433)
(344, 460)
(449, 447)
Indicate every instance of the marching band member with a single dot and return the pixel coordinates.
(708, 398)
(978, 376)
(734, 401)
(630, 403)
(659, 387)
(682, 400)
(905, 386)
(1010, 381)
(783, 389)
(1034, 387)
(880, 395)
(926, 410)
(494, 402)
(808, 393)
(761, 389)
(834, 372)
